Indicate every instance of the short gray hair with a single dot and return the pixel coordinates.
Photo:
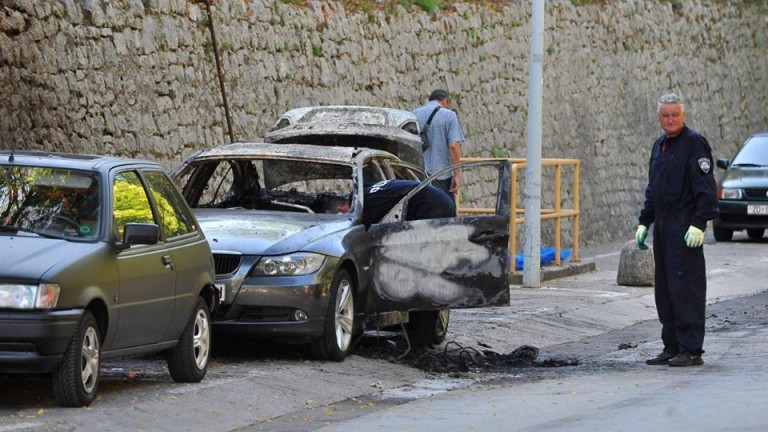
(669, 99)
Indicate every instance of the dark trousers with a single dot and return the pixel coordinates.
(445, 184)
(680, 287)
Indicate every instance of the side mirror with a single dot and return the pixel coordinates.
(723, 163)
(141, 233)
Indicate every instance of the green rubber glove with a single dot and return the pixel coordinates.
(694, 237)
(640, 234)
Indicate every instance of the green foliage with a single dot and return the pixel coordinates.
(429, 6)
(317, 50)
(677, 5)
(130, 205)
(498, 151)
(551, 50)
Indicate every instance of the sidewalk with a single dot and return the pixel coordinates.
(587, 301)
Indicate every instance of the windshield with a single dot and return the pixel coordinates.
(269, 184)
(52, 202)
(754, 152)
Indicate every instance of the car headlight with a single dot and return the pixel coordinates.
(728, 193)
(295, 264)
(18, 296)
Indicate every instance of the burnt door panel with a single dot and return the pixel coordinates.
(460, 262)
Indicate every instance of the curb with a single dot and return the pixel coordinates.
(556, 272)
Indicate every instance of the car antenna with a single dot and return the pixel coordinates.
(13, 148)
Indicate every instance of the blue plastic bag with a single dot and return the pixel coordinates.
(547, 256)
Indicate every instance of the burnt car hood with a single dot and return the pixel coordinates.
(253, 232)
(745, 177)
(27, 258)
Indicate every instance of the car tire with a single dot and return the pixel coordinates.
(722, 234)
(755, 233)
(428, 327)
(76, 380)
(336, 341)
(188, 361)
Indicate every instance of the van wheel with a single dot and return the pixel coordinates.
(722, 234)
(76, 379)
(188, 361)
(755, 233)
(428, 327)
(336, 340)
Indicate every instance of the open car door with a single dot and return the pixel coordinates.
(457, 262)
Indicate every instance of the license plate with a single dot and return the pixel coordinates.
(222, 288)
(757, 209)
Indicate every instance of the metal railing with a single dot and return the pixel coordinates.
(556, 213)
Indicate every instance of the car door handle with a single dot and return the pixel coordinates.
(168, 262)
(488, 236)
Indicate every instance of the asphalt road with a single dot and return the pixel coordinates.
(254, 385)
(612, 389)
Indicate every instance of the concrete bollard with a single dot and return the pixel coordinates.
(635, 265)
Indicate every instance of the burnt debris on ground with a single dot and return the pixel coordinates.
(453, 357)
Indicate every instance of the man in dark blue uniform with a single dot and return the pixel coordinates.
(429, 203)
(680, 198)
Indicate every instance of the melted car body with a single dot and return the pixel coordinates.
(291, 263)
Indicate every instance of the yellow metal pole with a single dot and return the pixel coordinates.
(576, 209)
(557, 212)
(513, 220)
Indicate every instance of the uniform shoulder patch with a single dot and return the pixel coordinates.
(704, 164)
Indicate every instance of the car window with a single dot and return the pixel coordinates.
(175, 220)
(267, 184)
(130, 201)
(754, 152)
(51, 201)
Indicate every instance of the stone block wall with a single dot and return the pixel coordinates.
(138, 78)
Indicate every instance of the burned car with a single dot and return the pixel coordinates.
(389, 129)
(102, 258)
(290, 263)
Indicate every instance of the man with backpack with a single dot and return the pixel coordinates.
(442, 136)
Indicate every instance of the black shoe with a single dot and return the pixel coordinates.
(660, 359)
(686, 359)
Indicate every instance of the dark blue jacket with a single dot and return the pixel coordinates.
(428, 203)
(681, 182)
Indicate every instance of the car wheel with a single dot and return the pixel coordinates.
(188, 361)
(722, 234)
(428, 327)
(336, 341)
(755, 233)
(76, 379)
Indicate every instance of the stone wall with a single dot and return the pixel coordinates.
(138, 78)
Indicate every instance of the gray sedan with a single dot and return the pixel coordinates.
(289, 264)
